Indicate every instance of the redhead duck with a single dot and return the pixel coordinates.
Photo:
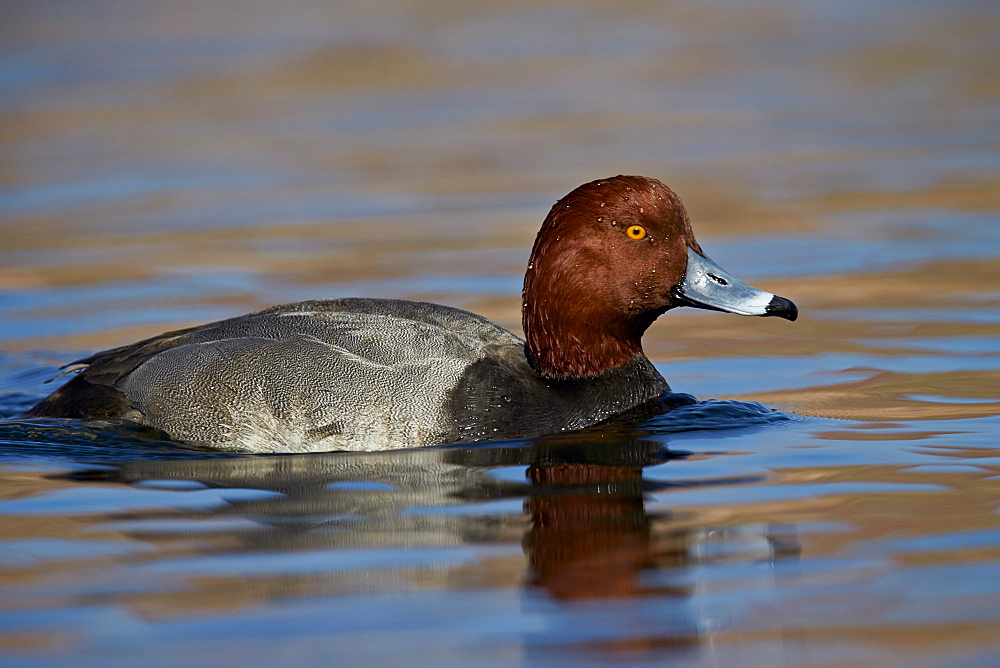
(377, 374)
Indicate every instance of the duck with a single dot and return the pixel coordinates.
(382, 374)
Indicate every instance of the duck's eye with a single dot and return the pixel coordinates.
(636, 232)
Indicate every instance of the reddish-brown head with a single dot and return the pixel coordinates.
(611, 257)
(601, 271)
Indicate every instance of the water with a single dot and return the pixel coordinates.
(835, 499)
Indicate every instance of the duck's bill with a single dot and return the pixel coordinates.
(707, 285)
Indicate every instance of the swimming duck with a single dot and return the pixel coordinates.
(377, 374)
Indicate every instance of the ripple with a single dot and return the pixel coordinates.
(64, 439)
(714, 414)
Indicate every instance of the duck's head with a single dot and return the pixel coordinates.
(611, 257)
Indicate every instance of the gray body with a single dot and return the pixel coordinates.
(345, 374)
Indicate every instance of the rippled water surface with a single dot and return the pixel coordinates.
(834, 499)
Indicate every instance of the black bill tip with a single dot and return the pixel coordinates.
(782, 308)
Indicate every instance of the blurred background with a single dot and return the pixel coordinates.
(168, 162)
(172, 162)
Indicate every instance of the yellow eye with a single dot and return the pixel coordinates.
(636, 232)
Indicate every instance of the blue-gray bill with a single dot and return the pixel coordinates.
(709, 286)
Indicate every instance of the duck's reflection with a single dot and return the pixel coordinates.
(590, 533)
(576, 504)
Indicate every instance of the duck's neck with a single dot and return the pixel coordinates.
(571, 336)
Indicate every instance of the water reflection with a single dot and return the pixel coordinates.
(575, 505)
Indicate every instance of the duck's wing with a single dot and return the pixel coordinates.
(108, 367)
(336, 369)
